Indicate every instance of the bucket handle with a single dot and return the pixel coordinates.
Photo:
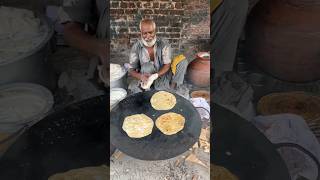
(302, 149)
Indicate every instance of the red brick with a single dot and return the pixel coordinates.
(161, 11)
(133, 29)
(176, 12)
(130, 17)
(175, 35)
(162, 23)
(147, 11)
(178, 5)
(156, 5)
(124, 5)
(174, 41)
(172, 29)
(135, 35)
(116, 11)
(133, 23)
(163, 5)
(138, 4)
(174, 18)
(131, 11)
(163, 35)
(170, 6)
(120, 36)
(148, 16)
(132, 5)
(175, 46)
(160, 18)
(123, 30)
(115, 4)
(147, 5)
(162, 29)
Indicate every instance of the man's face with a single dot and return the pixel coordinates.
(148, 32)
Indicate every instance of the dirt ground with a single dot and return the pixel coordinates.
(122, 167)
(128, 168)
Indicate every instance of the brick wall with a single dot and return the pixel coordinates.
(182, 22)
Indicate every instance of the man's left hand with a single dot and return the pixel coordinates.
(150, 81)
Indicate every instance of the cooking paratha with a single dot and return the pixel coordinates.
(170, 123)
(87, 173)
(138, 125)
(163, 100)
(221, 173)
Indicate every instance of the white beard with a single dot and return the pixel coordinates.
(149, 44)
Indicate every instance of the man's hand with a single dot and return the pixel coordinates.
(144, 77)
(149, 82)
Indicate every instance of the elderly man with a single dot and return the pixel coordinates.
(80, 18)
(150, 62)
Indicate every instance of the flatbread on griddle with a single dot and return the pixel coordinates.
(138, 125)
(170, 123)
(163, 100)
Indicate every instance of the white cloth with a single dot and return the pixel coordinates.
(290, 128)
(235, 94)
(201, 102)
(151, 79)
(20, 32)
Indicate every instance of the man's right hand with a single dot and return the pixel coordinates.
(144, 77)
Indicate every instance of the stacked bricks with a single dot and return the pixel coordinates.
(176, 21)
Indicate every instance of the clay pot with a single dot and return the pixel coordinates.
(283, 39)
(199, 70)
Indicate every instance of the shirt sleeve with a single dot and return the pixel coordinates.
(133, 57)
(167, 54)
(76, 11)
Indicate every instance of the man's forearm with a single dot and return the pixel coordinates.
(134, 74)
(165, 68)
(78, 38)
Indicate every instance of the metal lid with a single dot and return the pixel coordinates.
(115, 100)
(22, 104)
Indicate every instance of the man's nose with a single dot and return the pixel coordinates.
(149, 35)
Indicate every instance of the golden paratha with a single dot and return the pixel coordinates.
(170, 123)
(221, 173)
(138, 125)
(163, 100)
(296, 102)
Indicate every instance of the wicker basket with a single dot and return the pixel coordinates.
(297, 102)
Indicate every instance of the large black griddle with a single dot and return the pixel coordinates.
(70, 138)
(244, 150)
(156, 146)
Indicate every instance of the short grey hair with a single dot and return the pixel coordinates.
(147, 21)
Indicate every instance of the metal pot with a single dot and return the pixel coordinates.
(113, 104)
(32, 66)
(120, 82)
(16, 89)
